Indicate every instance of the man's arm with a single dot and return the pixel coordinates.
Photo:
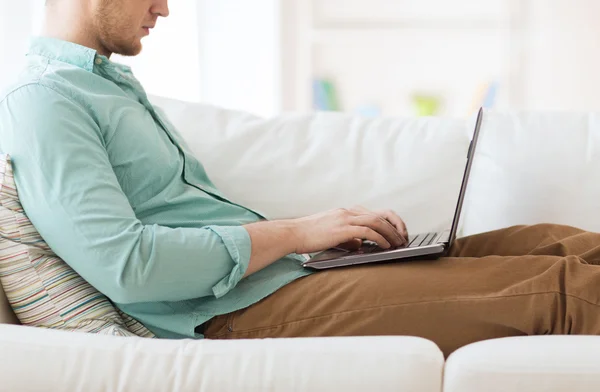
(275, 239)
(70, 192)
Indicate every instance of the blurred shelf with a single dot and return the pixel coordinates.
(383, 25)
(399, 10)
(379, 53)
(371, 34)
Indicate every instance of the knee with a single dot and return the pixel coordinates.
(565, 275)
(553, 229)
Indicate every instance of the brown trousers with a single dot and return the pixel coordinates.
(533, 280)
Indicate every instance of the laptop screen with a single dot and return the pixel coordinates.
(463, 187)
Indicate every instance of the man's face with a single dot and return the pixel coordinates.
(120, 25)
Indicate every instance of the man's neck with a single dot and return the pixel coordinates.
(67, 22)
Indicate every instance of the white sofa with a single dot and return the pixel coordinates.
(529, 168)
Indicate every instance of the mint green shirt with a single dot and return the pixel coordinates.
(115, 191)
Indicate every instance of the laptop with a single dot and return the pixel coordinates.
(426, 245)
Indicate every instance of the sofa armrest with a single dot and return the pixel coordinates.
(36, 359)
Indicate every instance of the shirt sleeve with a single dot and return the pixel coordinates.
(71, 195)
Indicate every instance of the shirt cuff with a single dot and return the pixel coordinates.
(238, 244)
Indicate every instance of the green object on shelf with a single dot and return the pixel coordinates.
(426, 105)
(331, 96)
(325, 95)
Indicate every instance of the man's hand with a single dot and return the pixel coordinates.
(388, 215)
(271, 240)
(347, 228)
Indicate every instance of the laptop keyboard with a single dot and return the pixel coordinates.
(421, 240)
(413, 242)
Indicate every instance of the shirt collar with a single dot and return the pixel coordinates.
(67, 52)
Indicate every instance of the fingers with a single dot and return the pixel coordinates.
(395, 220)
(371, 235)
(381, 227)
(390, 216)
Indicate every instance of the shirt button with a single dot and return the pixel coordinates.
(98, 61)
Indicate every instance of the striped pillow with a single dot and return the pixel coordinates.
(41, 288)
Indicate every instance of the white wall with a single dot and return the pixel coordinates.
(15, 28)
(169, 64)
(240, 51)
(223, 52)
(561, 68)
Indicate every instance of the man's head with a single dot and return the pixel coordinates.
(109, 26)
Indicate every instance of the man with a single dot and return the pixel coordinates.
(114, 190)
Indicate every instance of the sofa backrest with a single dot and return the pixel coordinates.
(529, 167)
(295, 165)
(7, 316)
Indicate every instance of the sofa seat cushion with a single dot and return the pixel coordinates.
(381, 363)
(526, 364)
(41, 288)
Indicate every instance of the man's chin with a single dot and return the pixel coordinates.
(130, 50)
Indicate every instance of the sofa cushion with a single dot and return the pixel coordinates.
(103, 363)
(534, 168)
(294, 165)
(41, 288)
(526, 364)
